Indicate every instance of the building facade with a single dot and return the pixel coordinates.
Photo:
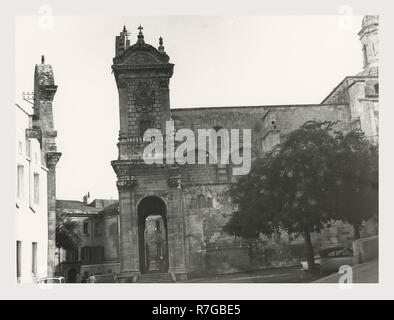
(36, 179)
(31, 203)
(170, 216)
(192, 200)
(98, 250)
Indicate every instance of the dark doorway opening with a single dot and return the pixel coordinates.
(72, 276)
(152, 235)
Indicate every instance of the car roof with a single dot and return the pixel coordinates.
(332, 249)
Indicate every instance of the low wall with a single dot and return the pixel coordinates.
(229, 259)
(97, 269)
(365, 249)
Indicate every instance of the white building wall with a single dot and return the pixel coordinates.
(31, 218)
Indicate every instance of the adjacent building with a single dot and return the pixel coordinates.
(36, 158)
(98, 228)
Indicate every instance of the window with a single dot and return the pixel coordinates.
(19, 259)
(20, 179)
(72, 255)
(201, 201)
(98, 254)
(86, 228)
(193, 203)
(86, 255)
(145, 125)
(158, 225)
(28, 148)
(36, 191)
(365, 55)
(376, 87)
(34, 258)
(210, 202)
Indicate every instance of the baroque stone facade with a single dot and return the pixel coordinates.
(190, 203)
(193, 199)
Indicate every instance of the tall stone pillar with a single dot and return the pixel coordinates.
(52, 160)
(43, 128)
(128, 246)
(176, 227)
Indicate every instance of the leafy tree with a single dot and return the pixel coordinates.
(355, 168)
(67, 234)
(315, 175)
(286, 190)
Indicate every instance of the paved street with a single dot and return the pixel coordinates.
(367, 272)
(362, 273)
(277, 275)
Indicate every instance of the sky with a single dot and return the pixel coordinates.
(219, 61)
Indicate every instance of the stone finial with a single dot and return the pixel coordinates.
(124, 28)
(161, 47)
(370, 20)
(42, 59)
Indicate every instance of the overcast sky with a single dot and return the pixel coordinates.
(219, 61)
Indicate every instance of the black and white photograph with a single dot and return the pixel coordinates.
(167, 153)
(240, 192)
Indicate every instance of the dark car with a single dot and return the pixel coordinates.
(330, 259)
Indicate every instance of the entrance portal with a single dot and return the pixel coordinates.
(72, 276)
(152, 235)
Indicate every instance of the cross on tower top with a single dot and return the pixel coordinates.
(140, 36)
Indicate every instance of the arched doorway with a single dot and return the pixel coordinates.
(152, 235)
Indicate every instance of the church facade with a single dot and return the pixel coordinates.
(170, 216)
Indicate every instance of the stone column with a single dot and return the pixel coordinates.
(176, 230)
(52, 160)
(128, 246)
(129, 262)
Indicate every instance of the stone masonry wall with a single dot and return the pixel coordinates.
(208, 205)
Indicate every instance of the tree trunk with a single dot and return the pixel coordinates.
(310, 257)
(356, 227)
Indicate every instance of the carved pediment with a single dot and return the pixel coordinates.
(141, 54)
(141, 58)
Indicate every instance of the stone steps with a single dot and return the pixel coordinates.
(155, 278)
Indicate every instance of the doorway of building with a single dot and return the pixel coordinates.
(152, 235)
(72, 276)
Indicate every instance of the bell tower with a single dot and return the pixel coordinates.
(142, 73)
(370, 44)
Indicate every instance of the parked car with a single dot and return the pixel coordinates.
(52, 280)
(330, 259)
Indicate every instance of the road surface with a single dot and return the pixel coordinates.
(367, 272)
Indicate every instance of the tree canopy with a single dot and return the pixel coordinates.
(67, 234)
(356, 179)
(316, 174)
